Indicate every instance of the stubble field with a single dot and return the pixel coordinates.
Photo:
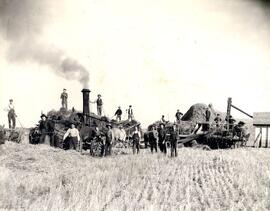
(43, 178)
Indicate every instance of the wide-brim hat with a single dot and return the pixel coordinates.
(162, 124)
(43, 115)
(109, 125)
(241, 123)
(10, 99)
(72, 123)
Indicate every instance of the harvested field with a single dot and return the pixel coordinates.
(37, 177)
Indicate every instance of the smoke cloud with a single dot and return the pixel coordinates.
(21, 24)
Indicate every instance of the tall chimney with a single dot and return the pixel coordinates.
(86, 109)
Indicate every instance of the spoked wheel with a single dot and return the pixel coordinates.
(14, 136)
(97, 147)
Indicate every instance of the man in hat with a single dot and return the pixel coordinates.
(136, 137)
(74, 136)
(64, 97)
(238, 129)
(206, 126)
(218, 120)
(231, 122)
(163, 119)
(109, 140)
(153, 139)
(11, 114)
(118, 114)
(207, 114)
(130, 113)
(178, 116)
(161, 139)
(173, 140)
(99, 103)
(43, 128)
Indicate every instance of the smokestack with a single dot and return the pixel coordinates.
(86, 109)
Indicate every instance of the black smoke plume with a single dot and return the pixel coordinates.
(21, 24)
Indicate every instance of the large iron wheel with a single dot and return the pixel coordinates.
(97, 147)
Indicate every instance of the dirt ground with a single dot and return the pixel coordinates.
(43, 178)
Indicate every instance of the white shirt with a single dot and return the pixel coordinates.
(10, 106)
(73, 132)
(138, 132)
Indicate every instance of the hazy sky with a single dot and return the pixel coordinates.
(158, 55)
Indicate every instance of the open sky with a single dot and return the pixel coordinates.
(158, 55)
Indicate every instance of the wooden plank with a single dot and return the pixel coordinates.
(266, 144)
(189, 138)
(260, 143)
(256, 139)
(229, 103)
(261, 118)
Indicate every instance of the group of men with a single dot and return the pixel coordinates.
(218, 120)
(46, 128)
(119, 113)
(99, 103)
(72, 138)
(178, 116)
(160, 138)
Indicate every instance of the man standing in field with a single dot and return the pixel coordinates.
(43, 128)
(153, 139)
(161, 139)
(109, 140)
(64, 97)
(173, 140)
(74, 137)
(11, 114)
(136, 137)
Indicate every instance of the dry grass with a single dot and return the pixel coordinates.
(42, 178)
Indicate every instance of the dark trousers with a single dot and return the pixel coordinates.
(52, 140)
(42, 137)
(163, 147)
(108, 148)
(173, 149)
(153, 145)
(64, 104)
(118, 118)
(11, 119)
(99, 110)
(136, 146)
(72, 142)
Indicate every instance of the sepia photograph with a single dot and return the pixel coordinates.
(135, 105)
